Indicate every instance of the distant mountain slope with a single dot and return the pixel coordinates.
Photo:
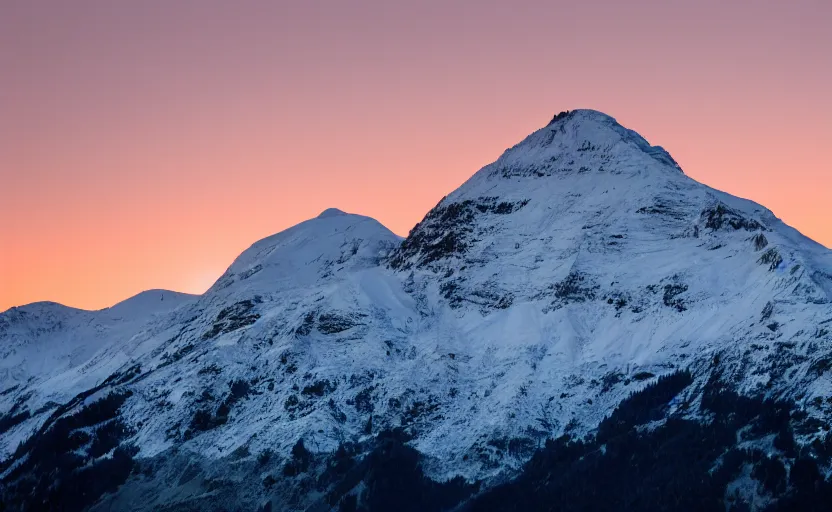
(44, 339)
(580, 288)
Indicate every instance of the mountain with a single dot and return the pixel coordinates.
(579, 313)
(52, 349)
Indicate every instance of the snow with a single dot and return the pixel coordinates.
(330, 212)
(588, 198)
(149, 303)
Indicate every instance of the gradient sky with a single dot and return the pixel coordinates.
(146, 144)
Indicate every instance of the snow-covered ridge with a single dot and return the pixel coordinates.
(38, 336)
(529, 302)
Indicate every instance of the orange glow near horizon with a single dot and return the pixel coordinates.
(146, 145)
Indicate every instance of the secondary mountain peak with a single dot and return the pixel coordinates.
(331, 212)
(319, 248)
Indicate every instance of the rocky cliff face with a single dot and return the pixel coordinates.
(580, 289)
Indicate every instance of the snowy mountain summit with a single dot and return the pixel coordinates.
(578, 310)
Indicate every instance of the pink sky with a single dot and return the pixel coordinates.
(146, 144)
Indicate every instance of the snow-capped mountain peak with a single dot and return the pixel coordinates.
(319, 248)
(589, 139)
(331, 212)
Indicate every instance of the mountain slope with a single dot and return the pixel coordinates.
(528, 304)
(51, 352)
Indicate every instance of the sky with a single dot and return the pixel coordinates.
(146, 144)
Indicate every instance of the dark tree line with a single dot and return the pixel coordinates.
(61, 468)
